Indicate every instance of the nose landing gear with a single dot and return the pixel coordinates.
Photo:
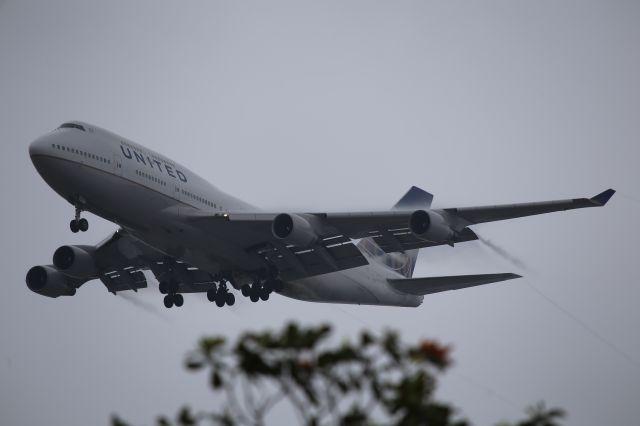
(78, 224)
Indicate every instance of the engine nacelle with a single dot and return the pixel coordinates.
(75, 261)
(294, 229)
(48, 281)
(430, 226)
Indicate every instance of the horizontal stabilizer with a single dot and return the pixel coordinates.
(428, 285)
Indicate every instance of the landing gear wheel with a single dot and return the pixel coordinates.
(178, 300)
(83, 224)
(220, 300)
(168, 301)
(246, 290)
(254, 297)
(73, 225)
(230, 299)
(163, 287)
(211, 294)
(264, 294)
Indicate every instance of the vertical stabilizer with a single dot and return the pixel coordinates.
(403, 263)
(415, 198)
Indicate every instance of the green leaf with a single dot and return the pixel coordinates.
(185, 418)
(208, 345)
(216, 380)
(117, 421)
(194, 365)
(162, 421)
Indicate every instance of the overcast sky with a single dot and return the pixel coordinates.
(335, 105)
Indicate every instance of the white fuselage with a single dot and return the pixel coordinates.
(150, 196)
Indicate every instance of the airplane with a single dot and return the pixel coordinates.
(195, 238)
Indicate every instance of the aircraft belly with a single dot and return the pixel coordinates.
(359, 286)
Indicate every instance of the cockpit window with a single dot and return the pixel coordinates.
(71, 126)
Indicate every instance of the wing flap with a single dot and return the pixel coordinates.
(429, 285)
(294, 263)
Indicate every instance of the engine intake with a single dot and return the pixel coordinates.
(50, 282)
(294, 229)
(430, 226)
(75, 261)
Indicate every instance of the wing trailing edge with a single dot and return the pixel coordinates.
(429, 285)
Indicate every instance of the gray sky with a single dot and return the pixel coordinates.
(338, 106)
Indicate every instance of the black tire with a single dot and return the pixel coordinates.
(211, 294)
(73, 225)
(264, 294)
(254, 297)
(246, 290)
(162, 286)
(178, 300)
(220, 300)
(230, 299)
(172, 286)
(168, 301)
(83, 224)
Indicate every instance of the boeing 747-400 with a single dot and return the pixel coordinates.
(195, 238)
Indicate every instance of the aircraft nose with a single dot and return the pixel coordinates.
(39, 146)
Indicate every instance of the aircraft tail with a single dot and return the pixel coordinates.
(415, 198)
(429, 285)
(403, 263)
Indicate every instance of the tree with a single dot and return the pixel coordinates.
(373, 380)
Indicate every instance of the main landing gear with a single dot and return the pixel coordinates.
(172, 297)
(261, 291)
(221, 295)
(78, 224)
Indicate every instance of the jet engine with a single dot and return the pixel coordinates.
(294, 229)
(48, 281)
(430, 226)
(75, 261)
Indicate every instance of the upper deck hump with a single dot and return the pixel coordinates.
(133, 151)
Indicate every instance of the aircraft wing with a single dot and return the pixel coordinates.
(120, 259)
(471, 215)
(323, 241)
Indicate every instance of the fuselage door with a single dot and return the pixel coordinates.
(116, 162)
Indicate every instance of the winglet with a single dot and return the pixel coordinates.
(602, 198)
